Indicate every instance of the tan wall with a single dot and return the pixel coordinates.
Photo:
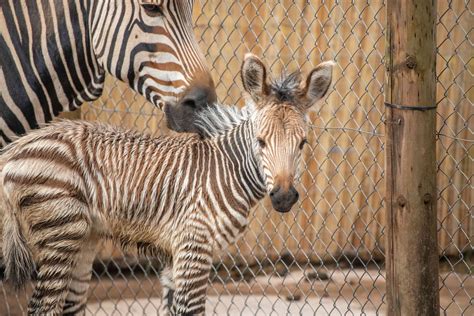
(455, 92)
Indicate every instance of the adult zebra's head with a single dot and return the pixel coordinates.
(280, 123)
(150, 45)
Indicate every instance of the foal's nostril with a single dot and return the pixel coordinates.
(274, 191)
(292, 196)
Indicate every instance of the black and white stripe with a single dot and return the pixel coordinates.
(54, 55)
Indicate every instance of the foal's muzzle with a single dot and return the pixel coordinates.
(282, 200)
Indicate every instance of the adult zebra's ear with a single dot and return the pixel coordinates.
(254, 77)
(318, 83)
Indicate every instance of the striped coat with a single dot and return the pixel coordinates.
(54, 56)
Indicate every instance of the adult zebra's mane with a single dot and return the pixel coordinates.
(216, 119)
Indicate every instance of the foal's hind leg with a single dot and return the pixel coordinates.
(168, 288)
(58, 230)
(76, 299)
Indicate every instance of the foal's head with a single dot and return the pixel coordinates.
(280, 122)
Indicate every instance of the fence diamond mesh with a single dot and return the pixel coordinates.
(455, 122)
(326, 256)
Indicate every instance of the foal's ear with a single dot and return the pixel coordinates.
(318, 83)
(254, 77)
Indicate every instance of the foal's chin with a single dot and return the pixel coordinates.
(284, 209)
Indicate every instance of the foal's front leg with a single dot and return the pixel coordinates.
(191, 268)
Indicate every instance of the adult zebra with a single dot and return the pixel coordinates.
(54, 56)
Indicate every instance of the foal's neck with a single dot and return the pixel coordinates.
(238, 146)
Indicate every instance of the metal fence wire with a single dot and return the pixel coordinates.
(326, 257)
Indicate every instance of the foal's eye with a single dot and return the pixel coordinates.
(152, 9)
(303, 142)
(261, 142)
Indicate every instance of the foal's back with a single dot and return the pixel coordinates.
(118, 174)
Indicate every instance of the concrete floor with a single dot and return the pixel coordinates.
(340, 292)
(235, 305)
(344, 292)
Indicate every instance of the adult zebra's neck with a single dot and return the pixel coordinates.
(238, 144)
(66, 65)
(47, 64)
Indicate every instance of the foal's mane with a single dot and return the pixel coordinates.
(216, 119)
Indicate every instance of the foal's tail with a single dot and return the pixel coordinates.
(19, 264)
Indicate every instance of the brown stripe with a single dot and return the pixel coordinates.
(153, 174)
(169, 66)
(175, 83)
(60, 221)
(55, 261)
(139, 177)
(41, 291)
(226, 178)
(196, 284)
(101, 161)
(215, 189)
(229, 230)
(63, 141)
(88, 165)
(55, 238)
(55, 275)
(78, 293)
(37, 198)
(172, 163)
(205, 224)
(133, 160)
(76, 311)
(194, 247)
(67, 250)
(43, 180)
(47, 155)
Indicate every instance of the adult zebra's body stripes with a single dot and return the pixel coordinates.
(179, 197)
(54, 56)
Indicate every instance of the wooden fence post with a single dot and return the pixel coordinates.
(410, 93)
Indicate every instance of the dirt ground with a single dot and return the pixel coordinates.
(337, 292)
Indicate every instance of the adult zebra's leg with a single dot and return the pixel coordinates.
(76, 299)
(58, 230)
(168, 289)
(191, 268)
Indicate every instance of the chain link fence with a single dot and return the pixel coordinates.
(326, 257)
(455, 123)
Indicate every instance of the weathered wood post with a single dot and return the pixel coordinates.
(412, 249)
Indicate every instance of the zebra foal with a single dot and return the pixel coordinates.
(179, 197)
